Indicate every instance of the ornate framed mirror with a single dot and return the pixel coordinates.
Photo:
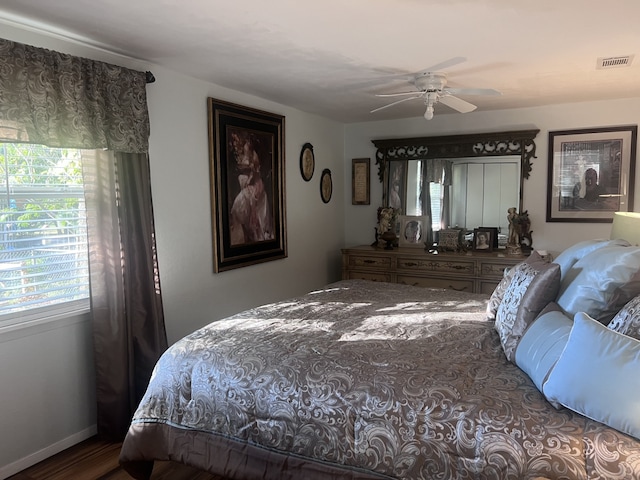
(487, 170)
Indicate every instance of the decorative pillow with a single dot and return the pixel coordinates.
(606, 280)
(498, 292)
(627, 320)
(542, 344)
(532, 287)
(567, 258)
(597, 376)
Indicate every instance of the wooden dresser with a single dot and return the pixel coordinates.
(469, 271)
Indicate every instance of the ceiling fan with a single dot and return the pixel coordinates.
(431, 86)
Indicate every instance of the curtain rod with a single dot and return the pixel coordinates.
(23, 23)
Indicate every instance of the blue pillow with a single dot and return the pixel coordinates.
(567, 258)
(597, 376)
(606, 280)
(542, 344)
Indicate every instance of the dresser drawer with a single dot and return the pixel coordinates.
(458, 267)
(426, 282)
(373, 276)
(463, 271)
(494, 268)
(366, 261)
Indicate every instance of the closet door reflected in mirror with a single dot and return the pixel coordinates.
(482, 190)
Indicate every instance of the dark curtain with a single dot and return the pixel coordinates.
(60, 100)
(436, 171)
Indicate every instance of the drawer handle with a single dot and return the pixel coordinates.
(411, 264)
(457, 289)
(369, 261)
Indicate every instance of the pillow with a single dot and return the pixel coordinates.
(531, 288)
(498, 292)
(567, 258)
(627, 320)
(542, 344)
(597, 376)
(606, 279)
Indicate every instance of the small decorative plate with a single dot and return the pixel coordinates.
(307, 162)
(326, 185)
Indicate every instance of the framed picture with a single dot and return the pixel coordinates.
(307, 162)
(326, 185)
(494, 236)
(246, 157)
(483, 239)
(413, 230)
(591, 173)
(360, 181)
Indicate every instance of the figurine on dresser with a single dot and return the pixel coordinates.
(519, 234)
(385, 229)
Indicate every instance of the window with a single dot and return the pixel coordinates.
(43, 234)
(435, 193)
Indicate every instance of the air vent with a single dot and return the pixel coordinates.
(614, 62)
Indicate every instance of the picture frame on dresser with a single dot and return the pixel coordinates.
(591, 173)
(483, 239)
(413, 230)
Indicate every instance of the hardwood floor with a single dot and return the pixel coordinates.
(94, 459)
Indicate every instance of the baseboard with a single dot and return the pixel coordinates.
(36, 457)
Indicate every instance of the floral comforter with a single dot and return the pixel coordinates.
(363, 380)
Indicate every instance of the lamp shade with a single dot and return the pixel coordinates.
(626, 225)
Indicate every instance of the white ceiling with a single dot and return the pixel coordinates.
(331, 57)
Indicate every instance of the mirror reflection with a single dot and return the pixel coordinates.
(469, 193)
(466, 181)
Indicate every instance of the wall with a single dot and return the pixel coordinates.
(554, 237)
(192, 294)
(47, 400)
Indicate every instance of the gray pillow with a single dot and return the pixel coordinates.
(627, 320)
(532, 288)
(498, 292)
(606, 280)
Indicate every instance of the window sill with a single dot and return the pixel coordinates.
(44, 320)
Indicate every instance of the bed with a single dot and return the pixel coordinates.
(367, 380)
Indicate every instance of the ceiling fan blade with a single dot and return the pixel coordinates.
(441, 66)
(458, 104)
(394, 103)
(413, 92)
(472, 91)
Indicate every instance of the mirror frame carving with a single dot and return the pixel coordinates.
(492, 144)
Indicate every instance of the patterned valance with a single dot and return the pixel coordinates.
(60, 100)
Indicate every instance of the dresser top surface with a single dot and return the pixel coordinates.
(368, 249)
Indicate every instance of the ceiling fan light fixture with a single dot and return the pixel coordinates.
(428, 114)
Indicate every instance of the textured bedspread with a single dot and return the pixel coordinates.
(369, 380)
